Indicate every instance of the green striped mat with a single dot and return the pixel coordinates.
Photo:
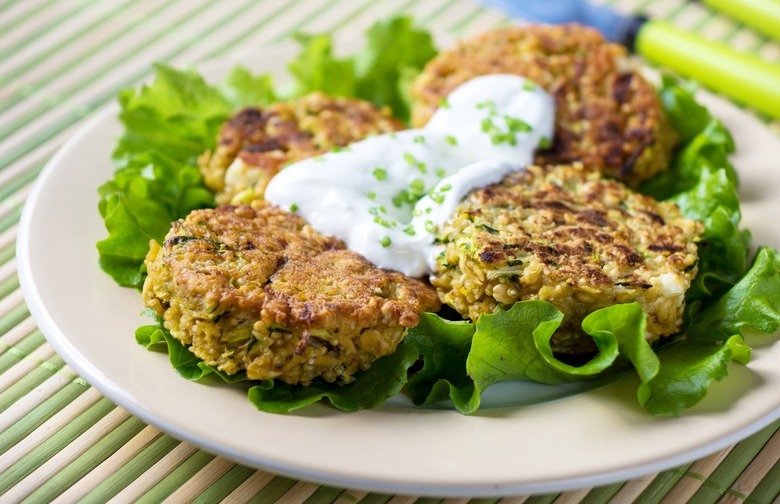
(60, 60)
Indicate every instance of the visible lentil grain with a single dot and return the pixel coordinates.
(561, 257)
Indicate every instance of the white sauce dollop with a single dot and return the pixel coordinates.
(384, 196)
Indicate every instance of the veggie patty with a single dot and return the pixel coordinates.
(607, 115)
(255, 288)
(257, 142)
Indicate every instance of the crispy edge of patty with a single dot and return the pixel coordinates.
(607, 115)
(258, 289)
(573, 238)
(262, 140)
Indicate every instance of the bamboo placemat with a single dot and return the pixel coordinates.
(60, 440)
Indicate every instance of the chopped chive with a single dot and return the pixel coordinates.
(529, 86)
(380, 173)
(490, 105)
(385, 241)
(371, 196)
(411, 195)
(384, 222)
(441, 172)
(444, 103)
(429, 227)
(409, 158)
(419, 139)
(451, 140)
(294, 207)
(417, 185)
(410, 230)
(445, 187)
(545, 143)
(400, 198)
(516, 125)
(488, 228)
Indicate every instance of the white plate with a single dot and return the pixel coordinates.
(591, 438)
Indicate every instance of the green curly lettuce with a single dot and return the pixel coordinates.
(167, 125)
(394, 52)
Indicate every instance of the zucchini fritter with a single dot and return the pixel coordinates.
(258, 289)
(573, 238)
(607, 115)
(257, 142)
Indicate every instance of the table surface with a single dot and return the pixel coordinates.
(60, 60)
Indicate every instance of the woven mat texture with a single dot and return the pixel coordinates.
(60, 440)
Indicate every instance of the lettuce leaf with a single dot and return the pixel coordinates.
(514, 344)
(317, 69)
(394, 53)
(167, 124)
(685, 375)
(243, 88)
(725, 296)
(705, 142)
(139, 204)
(724, 249)
(184, 362)
(715, 339)
(178, 115)
(752, 302)
(384, 379)
(444, 347)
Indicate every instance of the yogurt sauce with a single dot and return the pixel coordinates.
(386, 195)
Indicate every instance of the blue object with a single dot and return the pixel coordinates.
(614, 26)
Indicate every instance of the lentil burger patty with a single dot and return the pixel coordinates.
(570, 237)
(257, 142)
(607, 116)
(255, 288)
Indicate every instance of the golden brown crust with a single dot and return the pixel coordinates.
(260, 141)
(574, 239)
(258, 289)
(607, 116)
